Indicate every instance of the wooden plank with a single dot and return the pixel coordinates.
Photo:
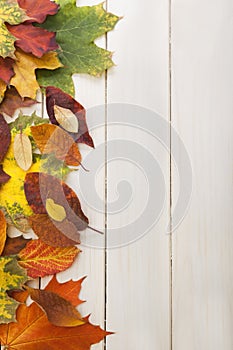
(202, 107)
(138, 273)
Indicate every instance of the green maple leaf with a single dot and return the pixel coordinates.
(11, 13)
(12, 276)
(77, 28)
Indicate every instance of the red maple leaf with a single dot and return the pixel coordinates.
(38, 10)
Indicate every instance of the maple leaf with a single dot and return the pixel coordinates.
(34, 332)
(35, 40)
(38, 10)
(39, 186)
(24, 79)
(12, 276)
(40, 259)
(5, 137)
(55, 96)
(6, 71)
(13, 101)
(11, 13)
(77, 28)
(52, 139)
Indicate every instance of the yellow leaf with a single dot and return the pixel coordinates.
(2, 231)
(23, 151)
(3, 87)
(55, 211)
(66, 118)
(25, 65)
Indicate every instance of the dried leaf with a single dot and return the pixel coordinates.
(38, 187)
(38, 10)
(52, 139)
(25, 79)
(34, 332)
(25, 121)
(40, 259)
(6, 71)
(11, 13)
(3, 226)
(55, 211)
(13, 101)
(3, 88)
(5, 137)
(55, 234)
(56, 97)
(60, 312)
(23, 151)
(66, 119)
(12, 276)
(4, 177)
(30, 39)
(14, 245)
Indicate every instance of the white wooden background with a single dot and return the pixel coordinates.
(166, 292)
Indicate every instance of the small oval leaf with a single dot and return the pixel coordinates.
(23, 151)
(66, 118)
(55, 211)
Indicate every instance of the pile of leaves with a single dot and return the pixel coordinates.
(36, 155)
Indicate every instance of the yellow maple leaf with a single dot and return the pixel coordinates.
(25, 65)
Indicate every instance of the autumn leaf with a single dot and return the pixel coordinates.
(56, 97)
(23, 151)
(39, 186)
(24, 79)
(77, 28)
(60, 312)
(30, 39)
(11, 13)
(5, 137)
(25, 121)
(40, 259)
(3, 88)
(66, 119)
(38, 10)
(6, 71)
(34, 332)
(3, 227)
(52, 139)
(14, 245)
(12, 276)
(4, 177)
(13, 101)
(54, 234)
(55, 211)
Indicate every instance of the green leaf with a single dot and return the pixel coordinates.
(11, 13)
(77, 28)
(24, 121)
(12, 276)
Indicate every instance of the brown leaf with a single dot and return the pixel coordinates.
(38, 10)
(59, 311)
(6, 71)
(3, 227)
(39, 186)
(57, 234)
(4, 177)
(52, 139)
(40, 259)
(23, 151)
(13, 101)
(14, 245)
(5, 137)
(56, 97)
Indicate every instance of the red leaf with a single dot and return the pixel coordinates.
(14, 245)
(42, 260)
(30, 39)
(39, 187)
(6, 71)
(13, 101)
(55, 96)
(4, 177)
(5, 137)
(38, 10)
